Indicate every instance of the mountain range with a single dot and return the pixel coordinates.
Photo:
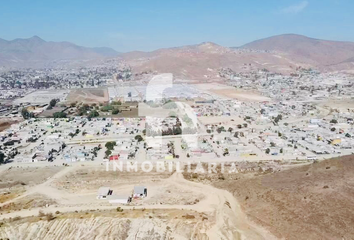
(282, 53)
(36, 52)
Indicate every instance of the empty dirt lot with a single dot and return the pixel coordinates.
(6, 123)
(89, 95)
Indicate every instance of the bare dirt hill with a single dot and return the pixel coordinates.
(203, 61)
(330, 55)
(314, 201)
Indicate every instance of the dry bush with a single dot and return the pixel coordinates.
(41, 214)
(49, 217)
(189, 216)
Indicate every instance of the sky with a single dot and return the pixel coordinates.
(150, 24)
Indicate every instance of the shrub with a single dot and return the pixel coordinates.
(49, 217)
(115, 111)
(139, 138)
(59, 115)
(41, 214)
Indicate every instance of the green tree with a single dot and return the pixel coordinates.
(52, 103)
(110, 145)
(59, 115)
(26, 114)
(116, 103)
(177, 131)
(93, 113)
(334, 121)
(2, 157)
(106, 108)
(278, 118)
(115, 111)
(83, 109)
(220, 129)
(226, 152)
(139, 138)
(267, 151)
(108, 152)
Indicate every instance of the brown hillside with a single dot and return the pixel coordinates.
(310, 202)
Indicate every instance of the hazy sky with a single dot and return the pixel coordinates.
(150, 24)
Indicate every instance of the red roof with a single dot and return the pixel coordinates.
(114, 157)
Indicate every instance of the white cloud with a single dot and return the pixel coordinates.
(296, 8)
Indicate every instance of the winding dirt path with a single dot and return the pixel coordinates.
(230, 221)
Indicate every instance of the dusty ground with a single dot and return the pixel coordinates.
(42, 96)
(174, 209)
(31, 201)
(6, 123)
(50, 112)
(27, 175)
(308, 202)
(89, 95)
(87, 179)
(15, 180)
(343, 104)
(231, 92)
(221, 119)
(240, 95)
(109, 224)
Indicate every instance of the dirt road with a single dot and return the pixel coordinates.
(230, 221)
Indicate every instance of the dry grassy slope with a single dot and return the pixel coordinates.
(310, 202)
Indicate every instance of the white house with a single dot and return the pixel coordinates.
(140, 191)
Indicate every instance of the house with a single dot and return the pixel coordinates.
(103, 192)
(114, 157)
(124, 199)
(140, 192)
(336, 141)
